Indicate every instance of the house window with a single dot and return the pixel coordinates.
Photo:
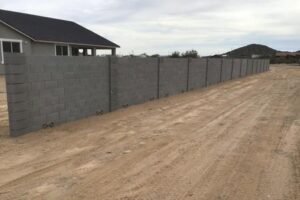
(89, 52)
(61, 50)
(11, 47)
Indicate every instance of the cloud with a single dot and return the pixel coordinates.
(156, 26)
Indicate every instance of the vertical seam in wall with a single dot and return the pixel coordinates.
(221, 70)
(188, 75)
(247, 67)
(231, 68)
(109, 85)
(241, 65)
(206, 72)
(158, 76)
(2, 53)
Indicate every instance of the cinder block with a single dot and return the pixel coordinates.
(19, 124)
(14, 59)
(63, 116)
(236, 71)
(50, 84)
(249, 67)
(53, 117)
(226, 69)
(34, 77)
(16, 116)
(134, 80)
(48, 109)
(173, 76)
(17, 88)
(244, 67)
(50, 100)
(34, 68)
(45, 76)
(16, 78)
(51, 66)
(19, 97)
(36, 86)
(38, 121)
(214, 71)
(18, 107)
(15, 69)
(197, 73)
(18, 132)
(56, 76)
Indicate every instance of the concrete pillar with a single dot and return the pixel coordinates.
(113, 51)
(94, 51)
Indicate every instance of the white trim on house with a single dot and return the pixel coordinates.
(43, 41)
(69, 50)
(76, 44)
(9, 40)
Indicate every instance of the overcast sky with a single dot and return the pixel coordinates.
(164, 26)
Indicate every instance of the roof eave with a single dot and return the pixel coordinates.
(55, 42)
(79, 44)
(6, 24)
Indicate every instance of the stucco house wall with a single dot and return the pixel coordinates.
(29, 47)
(42, 49)
(8, 33)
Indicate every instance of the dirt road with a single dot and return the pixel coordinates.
(233, 141)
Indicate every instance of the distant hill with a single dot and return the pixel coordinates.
(250, 50)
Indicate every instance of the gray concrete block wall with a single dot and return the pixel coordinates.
(236, 68)
(261, 62)
(17, 94)
(244, 64)
(256, 70)
(1, 69)
(173, 76)
(45, 90)
(265, 65)
(249, 67)
(255, 66)
(197, 73)
(258, 66)
(266, 68)
(134, 80)
(214, 71)
(65, 88)
(227, 65)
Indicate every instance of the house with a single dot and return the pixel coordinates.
(285, 54)
(36, 35)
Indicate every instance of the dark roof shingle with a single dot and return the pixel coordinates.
(52, 30)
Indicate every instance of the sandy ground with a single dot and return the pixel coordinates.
(233, 141)
(3, 109)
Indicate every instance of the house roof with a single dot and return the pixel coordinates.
(284, 54)
(44, 29)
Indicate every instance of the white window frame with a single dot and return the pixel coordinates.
(9, 40)
(66, 45)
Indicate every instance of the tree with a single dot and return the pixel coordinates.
(175, 54)
(190, 54)
(155, 56)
